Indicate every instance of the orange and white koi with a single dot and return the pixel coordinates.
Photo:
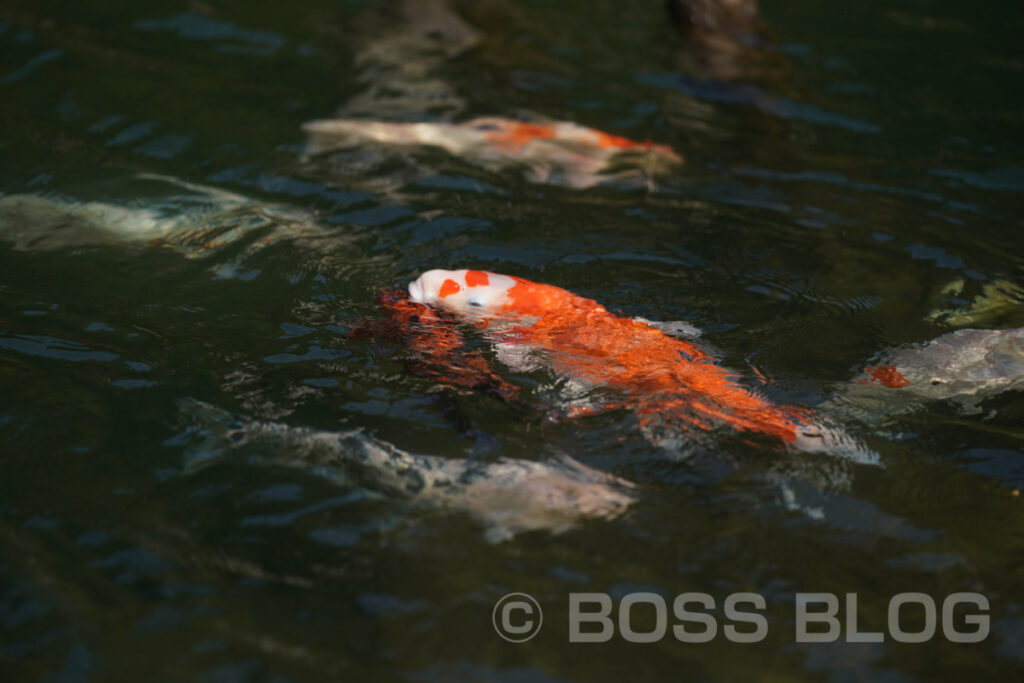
(661, 377)
(557, 152)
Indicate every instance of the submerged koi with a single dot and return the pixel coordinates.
(557, 152)
(663, 379)
(965, 367)
(508, 495)
(196, 221)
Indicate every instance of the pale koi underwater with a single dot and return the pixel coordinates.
(553, 152)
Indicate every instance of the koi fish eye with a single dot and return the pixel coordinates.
(475, 301)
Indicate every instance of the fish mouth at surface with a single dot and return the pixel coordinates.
(416, 292)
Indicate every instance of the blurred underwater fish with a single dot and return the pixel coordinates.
(193, 220)
(554, 152)
(965, 367)
(726, 38)
(401, 47)
(509, 496)
(670, 382)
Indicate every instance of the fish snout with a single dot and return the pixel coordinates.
(416, 292)
(430, 285)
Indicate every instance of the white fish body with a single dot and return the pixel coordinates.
(509, 496)
(556, 152)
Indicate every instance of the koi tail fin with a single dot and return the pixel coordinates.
(680, 424)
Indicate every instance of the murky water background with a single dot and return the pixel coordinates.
(825, 205)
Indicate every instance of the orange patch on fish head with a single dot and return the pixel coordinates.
(477, 278)
(426, 289)
(449, 287)
(888, 376)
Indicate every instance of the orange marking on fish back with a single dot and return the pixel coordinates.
(535, 299)
(519, 134)
(607, 140)
(449, 287)
(888, 375)
(477, 278)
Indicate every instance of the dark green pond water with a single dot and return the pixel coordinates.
(869, 174)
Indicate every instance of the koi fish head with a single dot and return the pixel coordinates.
(480, 295)
(965, 366)
(473, 294)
